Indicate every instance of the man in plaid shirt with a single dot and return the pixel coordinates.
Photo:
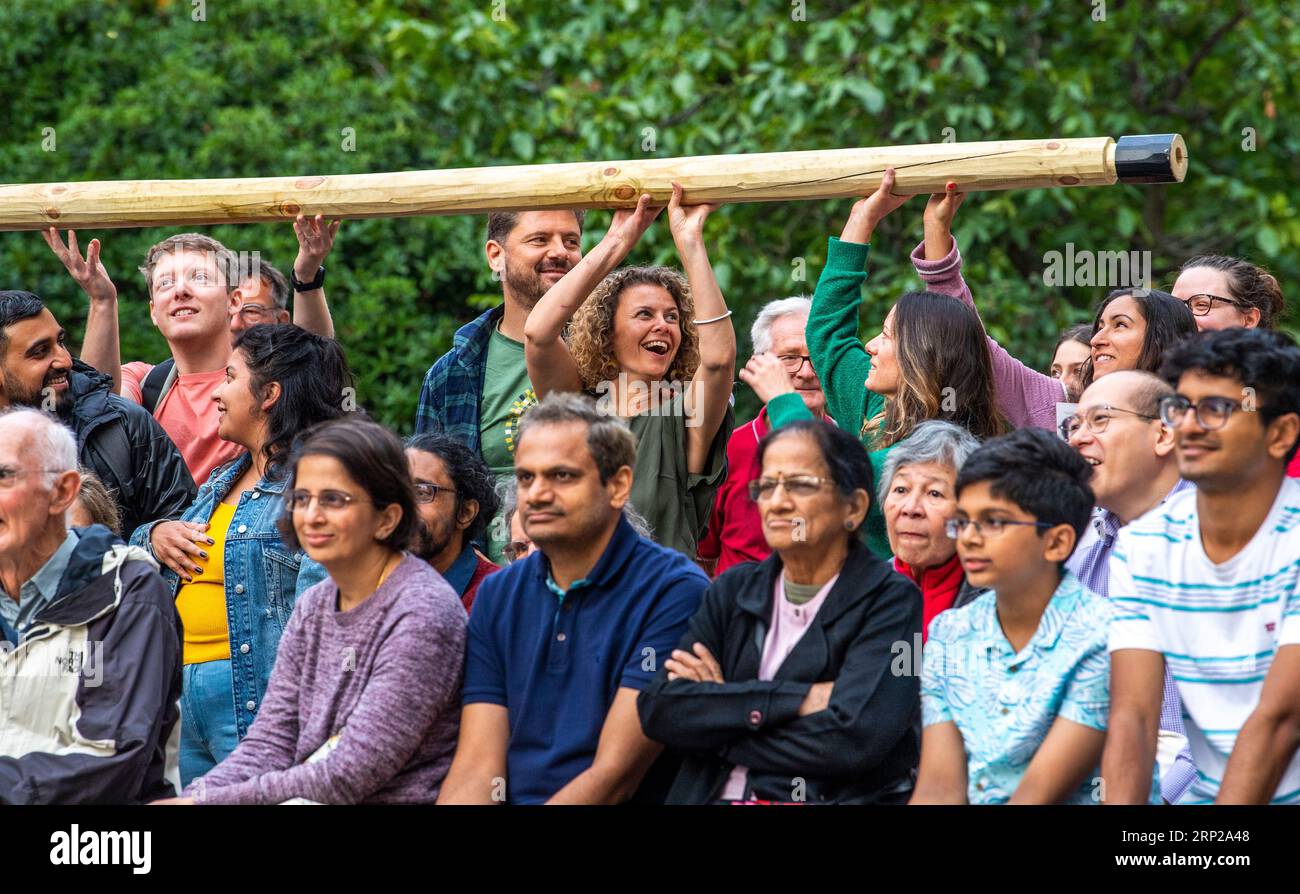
(477, 391)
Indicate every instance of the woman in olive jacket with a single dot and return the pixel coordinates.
(797, 682)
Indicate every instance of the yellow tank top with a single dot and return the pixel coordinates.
(202, 603)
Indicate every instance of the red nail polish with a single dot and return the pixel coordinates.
(952, 184)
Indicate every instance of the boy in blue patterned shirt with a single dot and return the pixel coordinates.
(1014, 686)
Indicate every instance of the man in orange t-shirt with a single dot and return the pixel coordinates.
(196, 288)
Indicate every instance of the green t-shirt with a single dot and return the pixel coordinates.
(507, 393)
(675, 502)
(800, 594)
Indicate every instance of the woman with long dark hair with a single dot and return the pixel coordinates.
(235, 580)
(1132, 329)
(931, 359)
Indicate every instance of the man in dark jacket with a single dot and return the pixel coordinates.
(116, 438)
(90, 642)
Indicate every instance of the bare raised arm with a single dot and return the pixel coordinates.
(478, 771)
(550, 365)
(710, 388)
(315, 241)
(101, 347)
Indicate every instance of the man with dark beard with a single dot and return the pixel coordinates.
(455, 496)
(117, 439)
(477, 391)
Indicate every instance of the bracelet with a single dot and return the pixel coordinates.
(714, 320)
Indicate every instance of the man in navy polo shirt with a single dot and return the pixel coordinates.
(561, 643)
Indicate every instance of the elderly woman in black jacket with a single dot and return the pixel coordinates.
(793, 683)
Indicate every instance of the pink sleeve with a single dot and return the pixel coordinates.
(133, 376)
(1026, 397)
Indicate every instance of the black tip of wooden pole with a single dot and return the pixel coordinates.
(1151, 158)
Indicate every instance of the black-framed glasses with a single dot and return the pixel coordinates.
(795, 486)
(329, 500)
(1202, 304)
(1211, 412)
(1096, 419)
(993, 527)
(427, 492)
(794, 362)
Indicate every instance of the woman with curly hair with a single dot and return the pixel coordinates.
(655, 348)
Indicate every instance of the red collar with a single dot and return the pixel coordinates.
(947, 576)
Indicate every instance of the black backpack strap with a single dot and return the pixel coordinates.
(154, 385)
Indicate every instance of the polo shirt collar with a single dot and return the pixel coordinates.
(610, 564)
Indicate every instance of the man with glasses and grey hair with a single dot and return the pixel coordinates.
(781, 374)
(1116, 428)
(90, 642)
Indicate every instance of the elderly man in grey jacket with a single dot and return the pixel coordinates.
(90, 642)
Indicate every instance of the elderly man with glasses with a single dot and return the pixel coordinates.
(90, 642)
(781, 374)
(1117, 429)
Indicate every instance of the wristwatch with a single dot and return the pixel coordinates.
(299, 286)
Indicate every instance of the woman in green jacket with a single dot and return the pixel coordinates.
(930, 360)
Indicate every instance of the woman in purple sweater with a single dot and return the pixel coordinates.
(363, 705)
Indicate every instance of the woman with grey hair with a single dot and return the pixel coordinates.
(918, 495)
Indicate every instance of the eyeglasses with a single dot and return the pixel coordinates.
(1211, 413)
(994, 527)
(1200, 305)
(9, 476)
(517, 549)
(427, 492)
(1096, 419)
(329, 500)
(794, 362)
(795, 486)
(255, 312)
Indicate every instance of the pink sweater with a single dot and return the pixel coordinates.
(1025, 396)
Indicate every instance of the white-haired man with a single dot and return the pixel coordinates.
(781, 374)
(90, 671)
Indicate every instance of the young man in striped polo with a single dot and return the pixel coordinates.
(1209, 582)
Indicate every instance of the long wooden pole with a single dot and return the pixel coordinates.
(763, 177)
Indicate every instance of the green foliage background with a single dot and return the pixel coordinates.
(140, 89)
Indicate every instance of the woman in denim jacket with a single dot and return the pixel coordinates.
(234, 580)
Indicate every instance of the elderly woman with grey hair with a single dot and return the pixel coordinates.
(918, 495)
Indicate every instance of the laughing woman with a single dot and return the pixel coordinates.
(233, 577)
(659, 350)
